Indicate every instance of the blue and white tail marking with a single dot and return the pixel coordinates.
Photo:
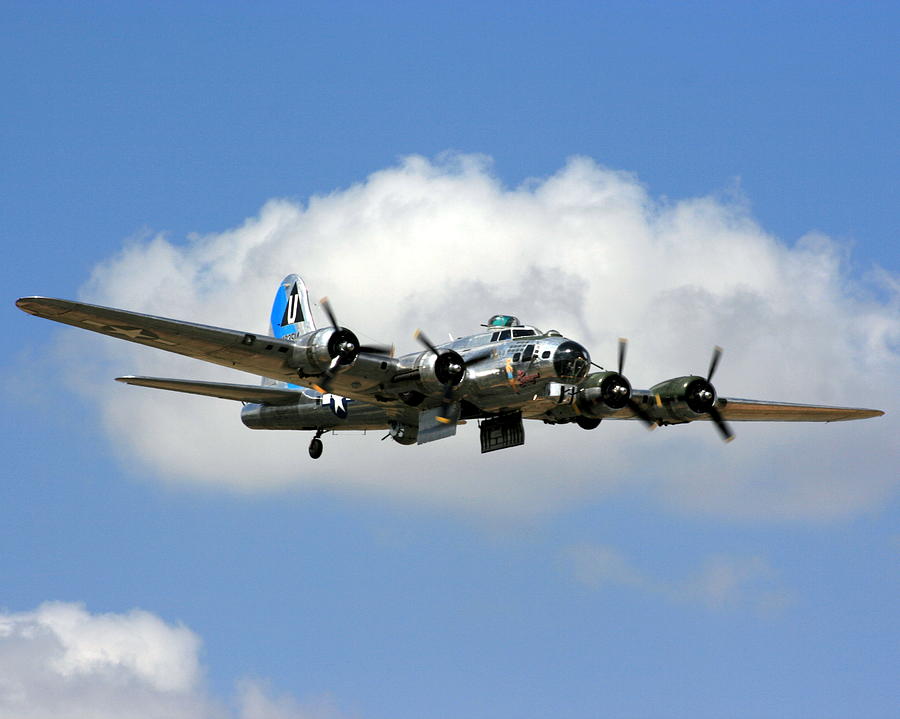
(292, 317)
(291, 313)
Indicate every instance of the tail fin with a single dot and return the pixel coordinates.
(291, 313)
(291, 317)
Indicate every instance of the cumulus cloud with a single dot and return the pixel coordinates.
(61, 661)
(444, 244)
(721, 582)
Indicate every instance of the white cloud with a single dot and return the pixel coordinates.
(257, 702)
(443, 245)
(62, 661)
(721, 582)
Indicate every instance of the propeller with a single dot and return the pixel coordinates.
(714, 362)
(377, 349)
(701, 397)
(450, 369)
(632, 404)
(344, 348)
(717, 418)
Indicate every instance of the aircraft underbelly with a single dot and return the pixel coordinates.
(332, 413)
(533, 399)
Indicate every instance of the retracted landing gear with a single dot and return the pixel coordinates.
(315, 445)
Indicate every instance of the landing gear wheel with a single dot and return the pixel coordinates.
(315, 448)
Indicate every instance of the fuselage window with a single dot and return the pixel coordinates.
(545, 354)
(528, 354)
(516, 357)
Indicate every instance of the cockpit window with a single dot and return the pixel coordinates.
(505, 335)
(504, 321)
(571, 361)
(523, 333)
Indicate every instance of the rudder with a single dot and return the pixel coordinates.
(291, 317)
(291, 313)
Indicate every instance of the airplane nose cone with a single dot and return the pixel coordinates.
(571, 361)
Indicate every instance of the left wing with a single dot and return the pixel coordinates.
(749, 410)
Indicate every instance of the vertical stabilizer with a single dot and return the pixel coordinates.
(291, 313)
(291, 316)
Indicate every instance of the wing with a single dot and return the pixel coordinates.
(255, 394)
(249, 352)
(751, 410)
(278, 359)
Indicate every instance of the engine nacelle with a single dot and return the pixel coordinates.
(602, 394)
(314, 351)
(686, 397)
(433, 373)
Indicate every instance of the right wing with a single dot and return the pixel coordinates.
(250, 352)
(259, 354)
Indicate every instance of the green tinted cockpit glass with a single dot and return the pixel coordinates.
(503, 321)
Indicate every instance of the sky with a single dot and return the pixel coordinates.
(685, 175)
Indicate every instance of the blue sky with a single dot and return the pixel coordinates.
(611, 573)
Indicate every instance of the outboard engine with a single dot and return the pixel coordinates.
(690, 397)
(686, 397)
(316, 351)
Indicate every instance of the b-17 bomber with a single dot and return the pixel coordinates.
(323, 379)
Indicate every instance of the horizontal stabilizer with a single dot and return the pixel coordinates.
(254, 394)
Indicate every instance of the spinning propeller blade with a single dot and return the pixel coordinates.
(641, 414)
(444, 416)
(632, 403)
(713, 411)
(721, 424)
(419, 335)
(714, 362)
(346, 351)
(324, 384)
(378, 349)
(326, 305)
(455, 369)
